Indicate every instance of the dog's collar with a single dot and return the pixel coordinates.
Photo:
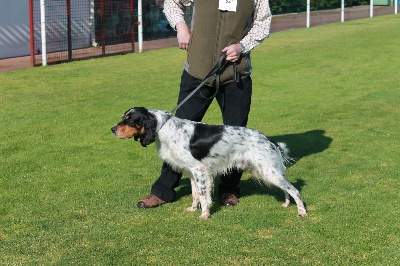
(165, 120)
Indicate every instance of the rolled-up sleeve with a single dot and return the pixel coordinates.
(260, 27)
(173, 12)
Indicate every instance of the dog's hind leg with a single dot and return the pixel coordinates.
(281, 182)
(195, 195)
(278, 179)
(287, 203)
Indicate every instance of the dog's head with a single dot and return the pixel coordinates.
(137, 123)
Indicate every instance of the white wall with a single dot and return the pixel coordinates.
(14, 28)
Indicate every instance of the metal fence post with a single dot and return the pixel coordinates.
(43, 30)
(342, 11)
(31, 33)
(69, 30)
(308, 13)
(371, 8)
(140, 26)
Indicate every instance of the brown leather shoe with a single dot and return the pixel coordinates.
(150, 201)
(228, 199)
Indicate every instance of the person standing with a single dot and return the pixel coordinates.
(233, 27)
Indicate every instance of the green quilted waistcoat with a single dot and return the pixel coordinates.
(212, 31)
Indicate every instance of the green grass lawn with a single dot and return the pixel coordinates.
(68, 187)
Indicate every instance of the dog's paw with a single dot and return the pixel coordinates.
(204, 216)
(286, 204)
(191, 209)
(302, 213)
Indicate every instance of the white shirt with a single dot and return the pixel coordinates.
(258, 28)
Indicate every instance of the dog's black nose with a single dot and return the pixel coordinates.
(113, 130)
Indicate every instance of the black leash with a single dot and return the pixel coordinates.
(215, 70)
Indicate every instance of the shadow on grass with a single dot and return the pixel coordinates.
(305, 144)
(300, 145)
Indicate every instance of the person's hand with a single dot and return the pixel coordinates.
(183, 35)
(232, 52)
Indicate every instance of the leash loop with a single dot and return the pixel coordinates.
(214, 71)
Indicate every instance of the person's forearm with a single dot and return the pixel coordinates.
(183, 35)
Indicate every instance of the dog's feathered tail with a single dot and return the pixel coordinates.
(287, 160)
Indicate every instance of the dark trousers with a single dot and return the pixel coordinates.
(234, 101)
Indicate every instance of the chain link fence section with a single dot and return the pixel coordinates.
(80, 29)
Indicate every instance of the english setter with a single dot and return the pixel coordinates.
(203, 151)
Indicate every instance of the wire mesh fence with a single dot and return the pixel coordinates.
(79, 29)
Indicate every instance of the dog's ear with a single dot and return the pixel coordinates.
(148, 135)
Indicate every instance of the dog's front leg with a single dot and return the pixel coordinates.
(195, 195)
(201, 180)
(205, 209)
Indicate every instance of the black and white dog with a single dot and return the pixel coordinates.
(204, 151)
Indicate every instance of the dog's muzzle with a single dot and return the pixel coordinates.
(114, 129)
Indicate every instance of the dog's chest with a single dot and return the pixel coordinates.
(173, 142)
